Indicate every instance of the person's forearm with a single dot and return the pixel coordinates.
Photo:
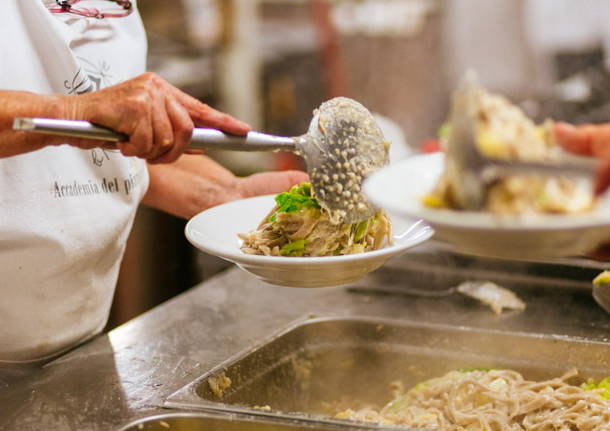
(156, 116)
(23, 104)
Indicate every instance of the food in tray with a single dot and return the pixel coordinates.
(496, 400)
(299, 226)
(503, 131)
(219, 384)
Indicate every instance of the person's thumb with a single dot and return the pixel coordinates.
(270, 182)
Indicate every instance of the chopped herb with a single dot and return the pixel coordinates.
(297, 198)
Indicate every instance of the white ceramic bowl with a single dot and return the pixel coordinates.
(215, 231)
(400, 187)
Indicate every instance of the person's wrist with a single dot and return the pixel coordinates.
(66, 107)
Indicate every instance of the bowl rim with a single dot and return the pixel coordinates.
(421, 233)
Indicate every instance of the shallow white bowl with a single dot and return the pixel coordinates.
(215, 231)
(399, 189)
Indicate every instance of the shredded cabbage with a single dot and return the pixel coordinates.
(299, 226)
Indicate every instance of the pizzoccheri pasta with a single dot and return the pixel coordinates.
(298, 226)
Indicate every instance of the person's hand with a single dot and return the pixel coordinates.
(195, 183)
(157, 117)
(588, 140)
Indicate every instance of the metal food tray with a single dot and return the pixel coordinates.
(319, 366)
(210, 422)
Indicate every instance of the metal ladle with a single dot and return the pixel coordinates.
(342, 146)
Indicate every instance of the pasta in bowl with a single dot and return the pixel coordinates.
(216, 230)
(501, 131)
(298, 226)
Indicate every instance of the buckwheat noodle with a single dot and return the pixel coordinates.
(494, 400)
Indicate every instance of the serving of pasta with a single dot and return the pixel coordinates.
(298, 226)
(503, 131)
(495, 400)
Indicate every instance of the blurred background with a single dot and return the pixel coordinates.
(271, 62)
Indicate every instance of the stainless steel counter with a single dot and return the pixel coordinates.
(128, 373)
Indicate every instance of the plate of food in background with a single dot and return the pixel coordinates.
(530, 216)
(289, 240)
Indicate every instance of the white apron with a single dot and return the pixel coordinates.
(65, 213)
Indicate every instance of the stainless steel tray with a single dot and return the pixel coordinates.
(206, 422)
(319, 366)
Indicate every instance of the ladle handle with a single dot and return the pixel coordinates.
(202, 138)
(253, 141)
